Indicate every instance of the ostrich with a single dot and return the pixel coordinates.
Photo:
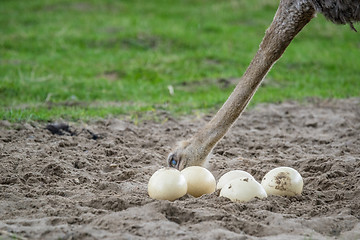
(290, 18)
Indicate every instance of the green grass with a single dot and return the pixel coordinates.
(82, 59)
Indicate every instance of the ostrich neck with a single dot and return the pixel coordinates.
(288, 21)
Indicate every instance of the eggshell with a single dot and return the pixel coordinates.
(227, 177)
(243, 190)
(167, 184)
(199, 180)
(283, 181)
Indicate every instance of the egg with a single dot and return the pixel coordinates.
(199, 180)
(227, 177)
(283, 181)
(167, 184)
(243, 190)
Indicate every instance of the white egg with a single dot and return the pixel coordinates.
(227, 177)
(243, 190)
(199, 180)
(283, 181)
(167, 184)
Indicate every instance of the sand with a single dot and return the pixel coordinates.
(91, 182)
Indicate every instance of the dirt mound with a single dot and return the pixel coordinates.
(91, 182)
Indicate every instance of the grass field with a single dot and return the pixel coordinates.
(83, 59)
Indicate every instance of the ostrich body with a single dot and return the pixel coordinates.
(290, 18)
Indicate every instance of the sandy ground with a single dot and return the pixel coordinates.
(75, 187)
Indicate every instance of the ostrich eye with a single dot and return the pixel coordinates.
(173, 163)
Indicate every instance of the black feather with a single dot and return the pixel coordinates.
(339, 11)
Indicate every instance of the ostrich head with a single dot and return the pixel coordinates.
(185, 155)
